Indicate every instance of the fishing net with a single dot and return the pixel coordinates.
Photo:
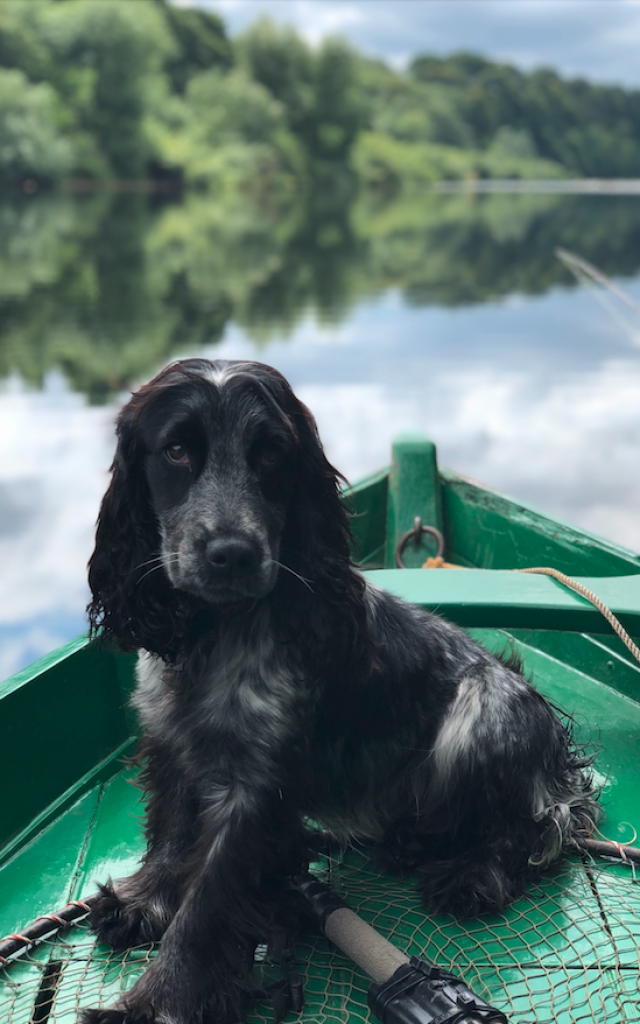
(567, 953)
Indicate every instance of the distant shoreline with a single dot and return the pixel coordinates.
(549, 186)
(555, 186)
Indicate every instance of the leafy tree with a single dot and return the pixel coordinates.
(121, 46)
(319, 91)
(232, 133)
(124, 89)
(338, 112)
(21, 44)
(30, 141)
(201, 43)
(280, 61)
(591, 130)
(514, 142)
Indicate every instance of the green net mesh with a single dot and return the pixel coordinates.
(567, 953)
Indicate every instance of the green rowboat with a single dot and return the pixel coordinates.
(568, 952)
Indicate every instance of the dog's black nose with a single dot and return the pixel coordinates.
(232, 556)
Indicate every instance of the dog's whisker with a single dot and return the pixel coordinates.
(148, 573)
(297, 575)
(169, 559)
(149, 561)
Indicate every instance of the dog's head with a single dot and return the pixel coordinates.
(219, 486)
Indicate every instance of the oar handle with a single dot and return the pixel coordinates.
(357, 939)
(405, 990)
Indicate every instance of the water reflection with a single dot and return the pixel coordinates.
(107, 287)
(448, 314)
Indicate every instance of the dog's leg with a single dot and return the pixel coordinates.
(500, 797)
(138, 909)
(232, 898)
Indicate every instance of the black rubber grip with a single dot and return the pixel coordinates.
(321, 900)
(420, 993)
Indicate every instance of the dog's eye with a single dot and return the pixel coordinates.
(177, 454)
(269, 457)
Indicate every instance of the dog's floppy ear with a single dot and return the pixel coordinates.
(317, 539)
(317, 545)
(321, 523)
(132, 598)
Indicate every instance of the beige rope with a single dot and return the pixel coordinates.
(437, 562)
(578, 588)
(615, 623)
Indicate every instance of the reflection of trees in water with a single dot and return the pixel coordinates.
(455, 250)
(108, 288)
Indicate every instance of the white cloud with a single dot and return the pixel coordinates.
(316, 21)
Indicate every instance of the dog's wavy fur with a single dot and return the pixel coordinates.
(274, 683)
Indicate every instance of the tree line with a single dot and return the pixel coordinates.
(109, 89)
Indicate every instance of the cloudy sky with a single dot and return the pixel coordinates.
(595, 39)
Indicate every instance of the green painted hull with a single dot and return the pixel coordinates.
(566, 953)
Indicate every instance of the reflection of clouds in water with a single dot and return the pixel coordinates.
(535, 398)
(52, 474)
(355, 423)
(572, 450)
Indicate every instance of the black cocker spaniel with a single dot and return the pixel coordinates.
(275, 683)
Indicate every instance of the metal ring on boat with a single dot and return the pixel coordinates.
(416, 533)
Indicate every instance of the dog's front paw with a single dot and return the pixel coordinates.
(122, 924)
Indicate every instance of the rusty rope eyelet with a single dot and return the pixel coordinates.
(416, 533)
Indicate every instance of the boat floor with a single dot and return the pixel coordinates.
(568, 952)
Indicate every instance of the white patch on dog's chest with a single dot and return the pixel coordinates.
(249, 687)
(151, 698)
(246, 687)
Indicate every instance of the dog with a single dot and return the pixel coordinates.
(275, 683)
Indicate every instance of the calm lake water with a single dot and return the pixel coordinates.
(449, 315)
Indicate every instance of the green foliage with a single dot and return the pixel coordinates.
(30, 141)
(231, 132)
(407, 110)
(338, 112)
(201, 43)
(280, 61)
(591, 130)
(319, 91)
(514, 142)
(392, 165)
(135, 89)
(231, 108)
(119, 46)
(21, 43)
